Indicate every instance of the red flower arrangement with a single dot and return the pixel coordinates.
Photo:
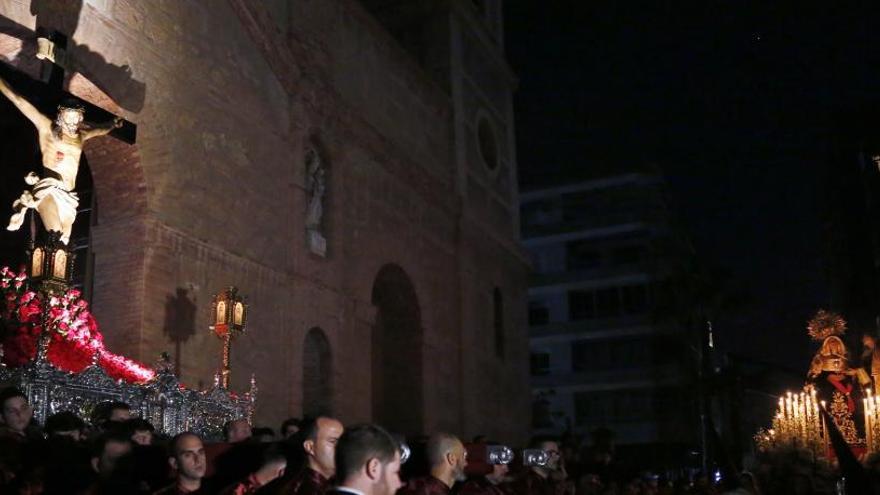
(74, 342)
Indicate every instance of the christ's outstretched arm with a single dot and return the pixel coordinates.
(40, 121)
(101, 130)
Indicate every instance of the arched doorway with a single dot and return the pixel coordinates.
(317, 378)
(397, 353)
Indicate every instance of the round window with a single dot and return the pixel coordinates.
(488, 143)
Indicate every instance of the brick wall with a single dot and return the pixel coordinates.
(213, 194)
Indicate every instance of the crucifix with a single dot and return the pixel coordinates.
(61, 138)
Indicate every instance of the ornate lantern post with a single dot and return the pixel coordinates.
(229, 315)
(50, 264)
(50, 268)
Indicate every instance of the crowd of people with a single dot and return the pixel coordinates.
(117, 453)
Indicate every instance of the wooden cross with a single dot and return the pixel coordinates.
(45, 95)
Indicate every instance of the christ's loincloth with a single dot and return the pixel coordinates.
(67, 201)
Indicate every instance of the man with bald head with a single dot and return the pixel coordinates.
(317, 438)
(447, 458)
(186, 457)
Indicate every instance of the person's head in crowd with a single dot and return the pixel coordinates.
(109, 449)
(289, 427)
(237, 430)
(368, 460)
(15, 410)
(551, 447)
(141, 431)
(589, 483)
(603, 447)
(499, 472)
(319, 438)
(65, 424)
(120, 412)
(262, 434)
(447, 458)
(187, 459)
(273, 462)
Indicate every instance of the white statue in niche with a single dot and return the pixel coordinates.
(316, 185)
(61, 144)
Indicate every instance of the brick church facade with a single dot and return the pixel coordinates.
(414, 314)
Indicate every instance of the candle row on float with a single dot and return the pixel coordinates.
(798, 421)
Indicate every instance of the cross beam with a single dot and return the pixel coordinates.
(46, 96)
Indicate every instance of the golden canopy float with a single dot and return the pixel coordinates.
(835, 386)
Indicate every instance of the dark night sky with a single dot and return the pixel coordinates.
(734, 101)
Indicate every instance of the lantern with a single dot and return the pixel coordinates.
(50, 264)
(228, 317)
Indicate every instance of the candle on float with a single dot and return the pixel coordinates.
(805, 433)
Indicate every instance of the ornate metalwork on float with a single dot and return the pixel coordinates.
(56, 355)
(162, 401)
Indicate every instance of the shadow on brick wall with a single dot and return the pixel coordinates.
(180, 321)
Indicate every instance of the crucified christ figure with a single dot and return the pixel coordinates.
(61, 144)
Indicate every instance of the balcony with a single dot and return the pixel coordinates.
(637, 219)
(607, 272)
(599, 328)
(643, 376)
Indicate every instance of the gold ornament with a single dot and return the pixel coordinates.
(826, 324)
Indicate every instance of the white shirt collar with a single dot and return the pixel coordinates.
(346, 489)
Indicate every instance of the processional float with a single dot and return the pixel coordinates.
(50, 345)
(836, 395)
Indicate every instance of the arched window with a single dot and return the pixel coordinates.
(317, 377)
(397, 352)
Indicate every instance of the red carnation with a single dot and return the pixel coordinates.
(27, 311)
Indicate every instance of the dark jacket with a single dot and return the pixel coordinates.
(426, 485)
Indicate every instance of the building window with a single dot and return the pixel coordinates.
(607, 303)
(539, 313)
(618, 354)
(588, 356)
(540, 363)
(635, 299)
(581, 304)
(498, 321)
(627, 255)
(580, 256)
(615, 406)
